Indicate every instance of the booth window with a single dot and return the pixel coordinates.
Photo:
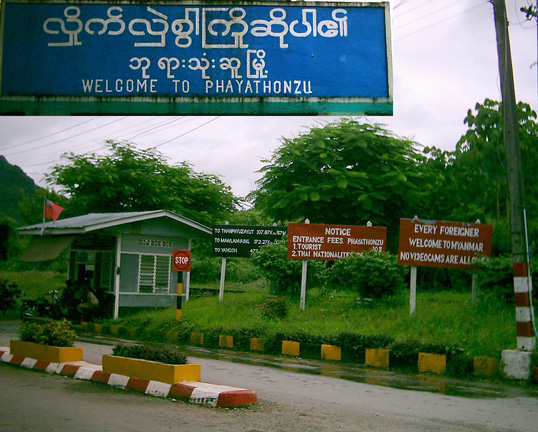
(98, 266)
(154, 274)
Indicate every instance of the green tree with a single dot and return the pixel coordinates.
(282, 273)
(129, 179)
(31, 207)
(251, 216)
(475, 185)
(439, 198)
(372, 274)
(10, 244)
(9, 295)
(14, 186)
(345, 172)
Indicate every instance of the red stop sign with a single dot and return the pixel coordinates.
(181, 260)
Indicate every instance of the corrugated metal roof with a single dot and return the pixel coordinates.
(96, 221)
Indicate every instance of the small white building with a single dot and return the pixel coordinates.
(128, 255)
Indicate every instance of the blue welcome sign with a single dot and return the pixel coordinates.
(187, 57)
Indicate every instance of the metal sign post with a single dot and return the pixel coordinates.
(441, 244)
(181, 262)
(413, 291)
(244, 240)
(330, 242)
(304, 270)
(222, 278)
(241, 241)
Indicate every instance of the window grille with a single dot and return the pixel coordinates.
(154, 274)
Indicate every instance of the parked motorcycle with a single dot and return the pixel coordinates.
(47, 305)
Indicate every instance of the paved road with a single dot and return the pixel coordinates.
(289, 401)
(36, 401)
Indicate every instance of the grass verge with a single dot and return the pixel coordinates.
(441, 318)
(35, 283)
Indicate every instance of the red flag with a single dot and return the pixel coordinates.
(52, 210)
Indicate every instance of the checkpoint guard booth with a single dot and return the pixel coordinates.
(127, 256)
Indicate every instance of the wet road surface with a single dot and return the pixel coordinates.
(468, 387)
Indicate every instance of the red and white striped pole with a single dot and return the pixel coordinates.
(522, 283)
(526, 338)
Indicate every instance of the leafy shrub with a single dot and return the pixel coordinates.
(310, 343)
(242, 337)
(211, 336)
(459, 365)
(241, 270)
(56, 333)
(142, 352)
(354, 346)
(274, 308)
(372, 274)
(283, 274)
(437, 348)
(206, 269)
(441, 279)
(10, 243)
(495, 278)
(9, 294)
(182, 328)
(405, 354)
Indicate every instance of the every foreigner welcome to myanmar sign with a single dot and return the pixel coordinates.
(443, 244)
(168, 57)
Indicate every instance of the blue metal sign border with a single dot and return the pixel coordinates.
(44, 104)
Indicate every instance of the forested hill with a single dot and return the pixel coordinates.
(15, 187)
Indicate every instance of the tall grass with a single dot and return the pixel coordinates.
(446, 318)
(35, 283)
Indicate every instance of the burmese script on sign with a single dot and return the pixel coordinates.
(188, 50)
(443, 244)
(331, 242)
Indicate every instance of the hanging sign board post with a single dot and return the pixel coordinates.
(244, 240)
(181, 262)
(308, 241)
(241, 241)
(332, 242)
(441, 244)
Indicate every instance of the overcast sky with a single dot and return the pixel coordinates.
(444, 62)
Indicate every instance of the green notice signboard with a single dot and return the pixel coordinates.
(243, 240)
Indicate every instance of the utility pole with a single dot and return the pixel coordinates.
(526, 340)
